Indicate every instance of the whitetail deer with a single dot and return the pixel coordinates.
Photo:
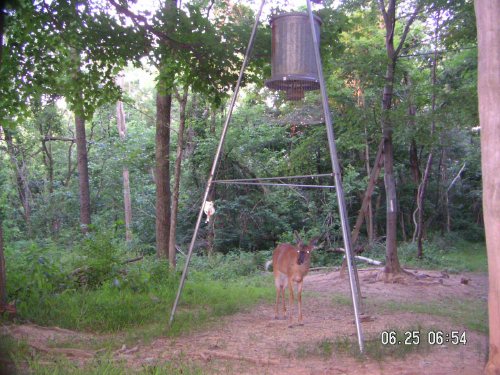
(291, 264)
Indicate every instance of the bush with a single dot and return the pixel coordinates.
(35, 272)
(100, 259)
(231, 265)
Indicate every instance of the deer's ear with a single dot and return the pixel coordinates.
(314, 242)
(297, 237)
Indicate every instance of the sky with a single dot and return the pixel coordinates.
(293, 5)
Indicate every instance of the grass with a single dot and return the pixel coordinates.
(106, 366)
(442, 253)
(109, 309)
(467, 257)
(373, 347)
(376, 350)
(470, 313)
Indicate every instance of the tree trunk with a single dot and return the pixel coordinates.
(177, 177)
(23, 189)
(213, 116)
(83, 173)
(81, 149)
(122, 131)
(488, 30)
(162, 173)
(49, 162)
(423, 185)
(368, 194)
(389, 15)
(2, 25)
(3, 279)
(391, 250)
(369, 208)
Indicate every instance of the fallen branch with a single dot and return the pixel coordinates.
(323, 268)
(134, 259)
(179, 250)
(69, 352)
(359, 257)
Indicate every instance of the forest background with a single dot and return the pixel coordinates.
(110, 116)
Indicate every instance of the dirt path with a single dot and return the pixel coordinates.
(253, 342)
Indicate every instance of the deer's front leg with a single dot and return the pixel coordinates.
(299, 300)
(290, 286)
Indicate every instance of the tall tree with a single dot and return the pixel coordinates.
(419, 227)
(388, 11)
(182, 99)
(162, 171)
(488, 34)
(122, 131)
(81, 147)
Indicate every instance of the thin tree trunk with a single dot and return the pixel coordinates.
(162, 173)
(372, 182)
(213, 116)
(2, 25)
(414, 164)
(403, 229)
(49, 163)
(369, 208)
(177, 176)
(127, 202)
(83, 173)
(423, 185)
(23, 190)
(81, 150)
(368, 194)
(488, 27)
(3, 279)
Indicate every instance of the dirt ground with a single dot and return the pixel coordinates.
(253, 342)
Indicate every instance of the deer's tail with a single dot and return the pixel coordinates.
(268, 264)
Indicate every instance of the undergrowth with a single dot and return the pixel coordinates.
(92, 287)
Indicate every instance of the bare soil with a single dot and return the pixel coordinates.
(253, 342)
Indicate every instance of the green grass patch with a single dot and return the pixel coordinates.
(93, 288)
(110, 309)
(472, 314)
(469, 313)
(450, 253)
(106, 366)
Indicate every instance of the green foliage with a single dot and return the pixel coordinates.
(450, 253)
(35, 273)
(231, 265)
(109, 295)
(100, 260)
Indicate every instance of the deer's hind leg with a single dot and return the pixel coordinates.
(290, 306)
(280, 283)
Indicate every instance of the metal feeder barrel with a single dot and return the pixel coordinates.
(293, 60)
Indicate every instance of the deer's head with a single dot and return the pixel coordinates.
(304, 250)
